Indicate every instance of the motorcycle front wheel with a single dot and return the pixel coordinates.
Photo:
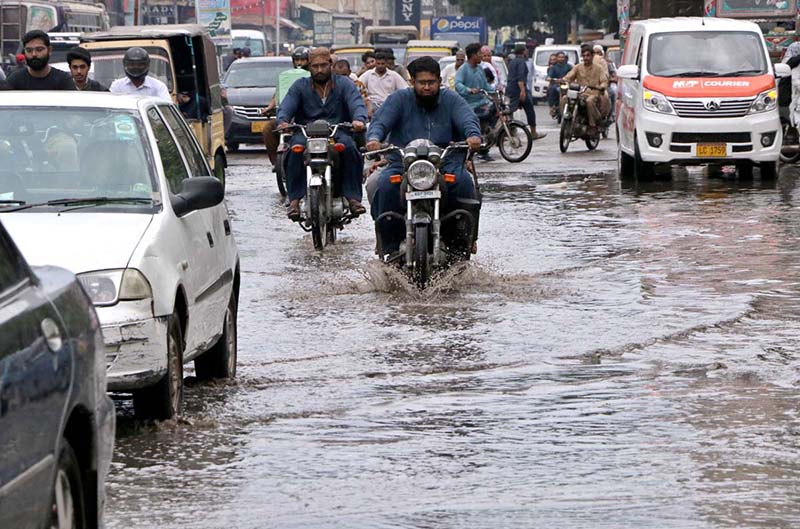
(788, 156)
(422, 271)
(516, 145)
(592, 143)
(318, 228)
(566, 134)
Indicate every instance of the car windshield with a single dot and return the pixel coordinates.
(706, 53)
(107, 65)
(543, 56)
(257, 74)
(53, 154)
(256, 45)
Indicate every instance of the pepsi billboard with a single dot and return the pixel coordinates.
(465, 30)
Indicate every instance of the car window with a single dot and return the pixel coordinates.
(50, 153)
(174, 168)
(12, 268)
(107, 65)
(194, 156)
(254, 74)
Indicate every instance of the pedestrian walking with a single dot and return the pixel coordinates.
(518, 89)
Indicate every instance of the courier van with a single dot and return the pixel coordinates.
(697, 91)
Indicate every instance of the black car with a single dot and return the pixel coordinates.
(250, 84)
(56, 421)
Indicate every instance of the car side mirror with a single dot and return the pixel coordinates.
(628, 71)
(782, 70)
(200, 192)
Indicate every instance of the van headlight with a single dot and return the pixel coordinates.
(107, 287)
(422, 175)
(765, 102)
(656, 102)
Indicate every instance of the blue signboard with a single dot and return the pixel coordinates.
(465, 30)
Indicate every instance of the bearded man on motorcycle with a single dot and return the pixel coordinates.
(421, 112)
(595, 78)
(335, 99)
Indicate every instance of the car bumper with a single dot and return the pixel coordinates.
(677, 149)
(242, 130)
(136, 345)
(540, 89)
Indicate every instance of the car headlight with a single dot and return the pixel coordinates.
(765, 102)
(656, 102)
(107, 287)
(422, 175)
(317, 146)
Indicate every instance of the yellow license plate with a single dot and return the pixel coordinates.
(712, 150)
(258, 126)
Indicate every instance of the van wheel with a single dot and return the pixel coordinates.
(642, 171)
(220, 360)
(219, 168)
(769, 170)
(624, 165)
(163, 400)
(68, 510)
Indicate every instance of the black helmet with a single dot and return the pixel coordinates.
(136, 62)
(300, 52)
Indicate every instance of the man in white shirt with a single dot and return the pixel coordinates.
(136, 64)
(381, 82)
(449, 72)
(499, 83)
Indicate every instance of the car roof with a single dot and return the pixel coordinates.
(42, 98)
(247, 60)
(661, 25)
(146, 32)
(556, 47)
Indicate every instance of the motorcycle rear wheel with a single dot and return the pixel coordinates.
(280, 174)
(318, 227)
(422, 271)
(506, 143)
(566, 134)
(789, 157)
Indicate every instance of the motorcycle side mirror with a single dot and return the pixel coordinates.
(628, 71)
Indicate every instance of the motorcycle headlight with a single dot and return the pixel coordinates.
(422, 175)
(656, 102)
(107, 287)
(765, 102)
(317, 146)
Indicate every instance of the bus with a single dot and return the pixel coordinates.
(17, 17)
(394, 37)
(777, 18)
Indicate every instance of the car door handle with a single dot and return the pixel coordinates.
(227, 226)
(210, 239)
(52, 335)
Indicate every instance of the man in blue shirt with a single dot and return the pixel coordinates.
(337, 100)
(470, 80)
(518, 90)
(421, 112)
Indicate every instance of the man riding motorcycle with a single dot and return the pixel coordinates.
(421, 112)
(337, 100)
(595, 78)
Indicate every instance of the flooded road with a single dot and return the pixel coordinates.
(615, 357)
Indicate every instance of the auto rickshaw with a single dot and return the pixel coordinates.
(183, 56)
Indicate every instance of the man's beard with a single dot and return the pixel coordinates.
(38, 63)
(321, 78)
(427, 102)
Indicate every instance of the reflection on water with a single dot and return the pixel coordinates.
(615, 357)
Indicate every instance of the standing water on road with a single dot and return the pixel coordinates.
(612, 358)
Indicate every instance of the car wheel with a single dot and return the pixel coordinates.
(745, 170)
(68, 511)
(220, 360)
(163, 400)
(769, 170)
(219, 168)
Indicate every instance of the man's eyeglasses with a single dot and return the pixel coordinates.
(433, 82)
(37, 49)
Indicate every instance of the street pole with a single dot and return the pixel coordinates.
(277, 27)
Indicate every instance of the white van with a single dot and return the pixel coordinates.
(541, 60)
(249, 38)
(697, 91)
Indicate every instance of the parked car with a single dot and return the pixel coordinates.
(250, 85)
(56, 420)
(541, 59)
(117, 190)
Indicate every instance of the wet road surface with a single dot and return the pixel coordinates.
(615, 357)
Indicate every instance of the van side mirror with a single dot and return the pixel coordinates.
(628, 71)
(200, 192)
(782, 70)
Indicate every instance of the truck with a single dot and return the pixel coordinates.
(465, 30)
(776, 18)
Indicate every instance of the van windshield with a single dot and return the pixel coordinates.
(543, 56)
(706, 54)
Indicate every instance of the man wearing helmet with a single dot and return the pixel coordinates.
(136, 64)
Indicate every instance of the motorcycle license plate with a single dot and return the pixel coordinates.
(422, 195)
(258, 126)
(712, 150)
